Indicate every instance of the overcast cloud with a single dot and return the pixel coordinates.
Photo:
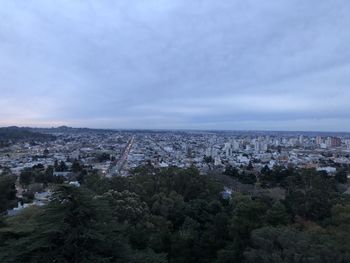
(240, 64)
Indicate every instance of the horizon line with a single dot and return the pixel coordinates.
(176, 129)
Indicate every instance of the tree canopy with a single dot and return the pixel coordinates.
(179, 215)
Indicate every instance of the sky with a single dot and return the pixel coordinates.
(176, 64)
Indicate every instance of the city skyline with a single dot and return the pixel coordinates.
(240, 65)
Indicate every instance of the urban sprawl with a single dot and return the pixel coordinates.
(110, 153)
(115, 153)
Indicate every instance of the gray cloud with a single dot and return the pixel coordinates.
(243, 64)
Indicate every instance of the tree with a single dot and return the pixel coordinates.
(290, 245)
(62, 167)
(6, 171)
(208, 160)
(73, 227)
(250, 166)
(311, 196)
(247, 178)
(248, 215)
(46, 152)
(126, 206)
(103, 157)
(276, 245)
(231, 171)
(341, 176)
(277, 214)
(178, 215)
(26, 177)
(7, 192)
(76, 166)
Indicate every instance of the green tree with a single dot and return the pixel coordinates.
(76, 166)
(208, 160)
(7, 192)
(247, 178)
(6, 171)
(341, 176)
(73, 228)
(289, 245)
(277, 214)
(248, 215)
(231, 171)
(126, 206)
(26, 177)
(250, 166)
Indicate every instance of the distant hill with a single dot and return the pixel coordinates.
(16, 134)
(66, 129)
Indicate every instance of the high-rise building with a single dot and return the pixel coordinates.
(257, 146)
(335, 142)
(208, 151)
(319, 140)
(228, 149)
(347, 142)
(301, 139)
(235, 145)
(277, 142)
(328, 142)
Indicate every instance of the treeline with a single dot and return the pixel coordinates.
(17, 134)
(178, 215)
(278, 176)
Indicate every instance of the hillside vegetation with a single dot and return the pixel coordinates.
(178, 215)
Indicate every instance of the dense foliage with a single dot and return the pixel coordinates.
(7, 192)
(178, 215)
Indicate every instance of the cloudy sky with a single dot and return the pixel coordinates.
(201, 64)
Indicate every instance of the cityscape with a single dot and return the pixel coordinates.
(174, 131)
(125, 150)
(113, 153)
